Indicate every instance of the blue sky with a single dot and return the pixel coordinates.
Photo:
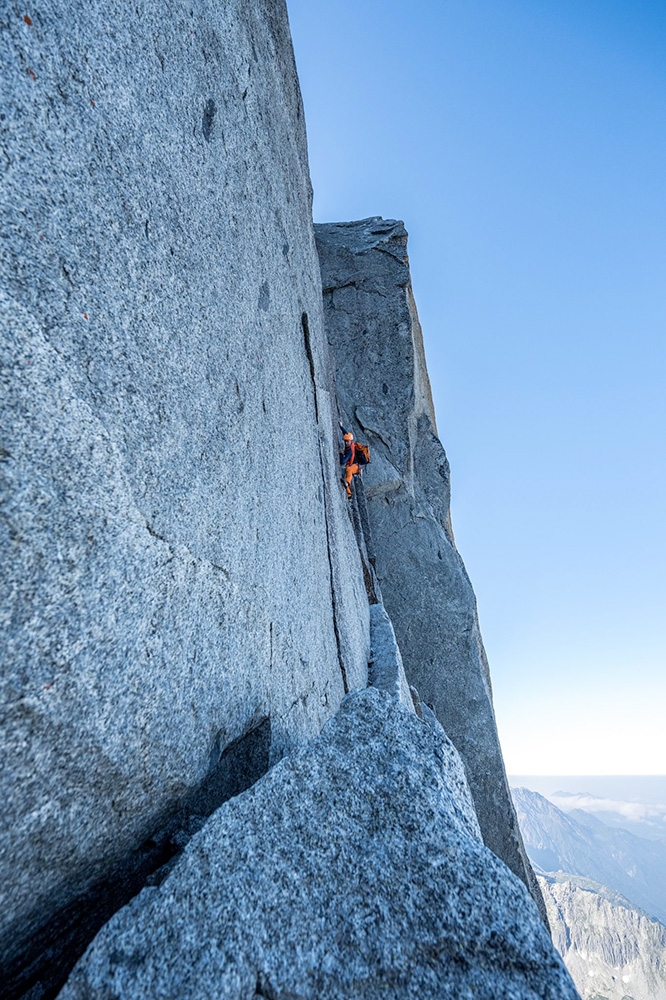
(523, 142)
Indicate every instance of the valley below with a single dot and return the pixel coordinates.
(604, 885)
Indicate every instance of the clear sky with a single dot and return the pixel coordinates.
(523, 142)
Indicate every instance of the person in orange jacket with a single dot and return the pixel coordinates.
(354, 457)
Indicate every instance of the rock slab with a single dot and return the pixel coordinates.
(354, 868)
(386, 670)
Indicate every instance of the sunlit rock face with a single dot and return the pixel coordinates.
(384, 390)
(613, 950)
(183, 597)
(172, 523)
(354, 868)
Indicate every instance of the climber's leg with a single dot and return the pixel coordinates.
(350, 472)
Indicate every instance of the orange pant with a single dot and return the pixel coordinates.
(350, 471)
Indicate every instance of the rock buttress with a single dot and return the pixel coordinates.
(383, 387)
(179, 582)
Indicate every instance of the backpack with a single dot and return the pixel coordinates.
(362, 454)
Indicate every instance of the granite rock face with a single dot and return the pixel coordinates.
(172, 581)
(613, 950)
(383, 386)
(386, 672)
(353, 868)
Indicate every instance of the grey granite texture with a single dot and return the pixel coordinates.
(386, 669)
(384, 391)
(354, 868)
(612, 949)
(177, 564)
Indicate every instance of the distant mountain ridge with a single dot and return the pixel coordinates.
(644, 819)
(605, 895)
(580, 844)
(613, 950)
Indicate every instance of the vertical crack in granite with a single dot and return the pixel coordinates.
(358, 514)
(334, 606)
(308, 350)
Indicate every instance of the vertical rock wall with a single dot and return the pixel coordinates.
(177, 568)
(383, 385)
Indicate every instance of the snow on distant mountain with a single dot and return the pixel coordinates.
(613, 950)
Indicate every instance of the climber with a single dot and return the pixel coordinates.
(354, 458)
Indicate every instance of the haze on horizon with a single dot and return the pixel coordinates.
(524, 146)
